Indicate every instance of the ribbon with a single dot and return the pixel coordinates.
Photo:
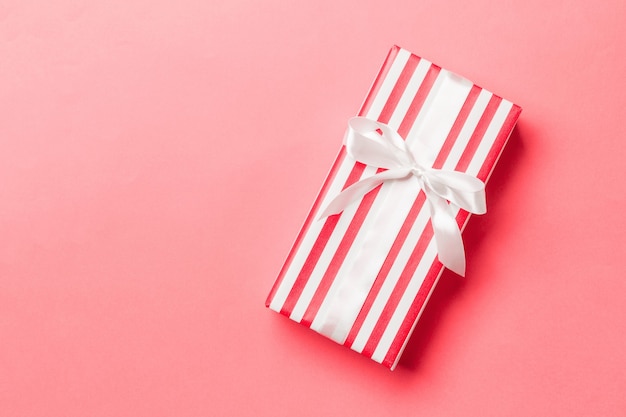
(377, 144)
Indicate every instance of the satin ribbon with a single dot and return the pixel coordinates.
(377, 144)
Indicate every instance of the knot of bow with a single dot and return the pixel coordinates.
(377, 144)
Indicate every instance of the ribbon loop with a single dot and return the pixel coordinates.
(377, 144)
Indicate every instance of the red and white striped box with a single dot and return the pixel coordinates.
(329, 282)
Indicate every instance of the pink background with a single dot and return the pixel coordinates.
(157, 159)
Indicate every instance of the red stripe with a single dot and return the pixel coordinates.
(398, 290)
(411, 217)
(418, 304)
(385, 268)
(324, 236)
(498, 145)
(479, 132)
(427, 234)
(355, 224)
(418, 100)
(384, 70)
(457, 126)
(378, 82)
(338, 257)
(307, 224)
(403, 79)
(317, 249)
(414, 310)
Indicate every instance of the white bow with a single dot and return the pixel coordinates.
(377, 144)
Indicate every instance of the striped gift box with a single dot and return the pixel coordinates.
(363, 277)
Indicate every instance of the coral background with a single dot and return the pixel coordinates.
(157, 159)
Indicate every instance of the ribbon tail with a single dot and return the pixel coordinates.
(359, 189)
(450, 249)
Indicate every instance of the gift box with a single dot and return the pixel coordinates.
(391, 211)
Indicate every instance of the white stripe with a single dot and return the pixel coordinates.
(342, 174)
(437, 118)
(409, 93)
(346, 167)
(495, 163)
(413, 287)
(449, 95)
(327, 254)
(358, 272)
(422, 308)
(429, 256)
(389, 284)
(389, 83)
(469, 127)
(492, 132)
(343, 224)
(307, 243)
(417, 318)
(421, 221)
(354, 279)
